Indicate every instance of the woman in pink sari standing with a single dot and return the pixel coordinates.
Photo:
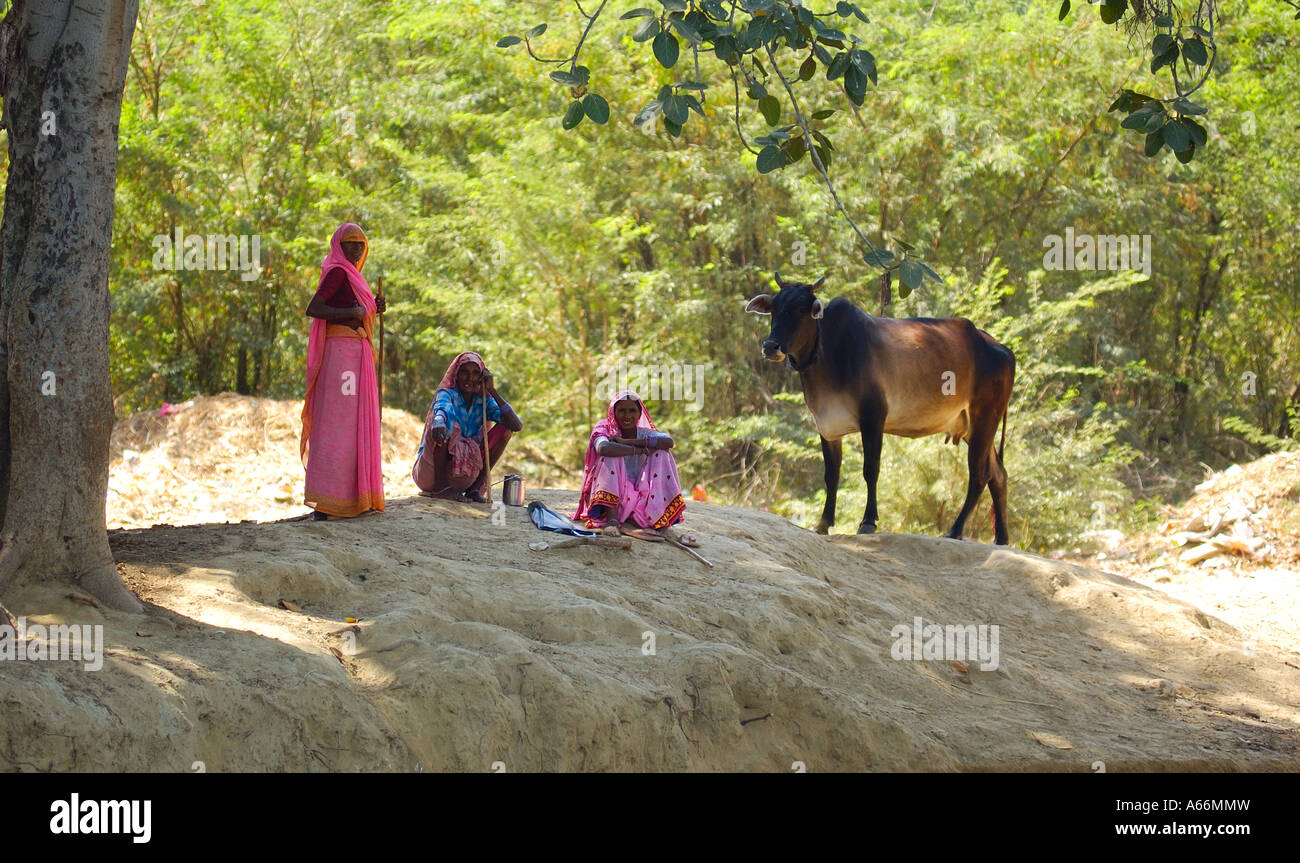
(340, 418)
(629, 475)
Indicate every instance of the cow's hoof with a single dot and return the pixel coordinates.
(823, 528)
(866, 528)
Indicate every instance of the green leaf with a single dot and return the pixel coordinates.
(878, 257)
(637, 13)
(1183, 106)
(1065, 10)
(822, 139)
(648, 30)
(572, 115)
(912, 275)
(647, 114)
(843, 9)
(715, 9)
(771, 110)
(808, 69)
(596, 108)
(1166, 59)
(822, 54)
(756, 90)
(1154, 121)
(929, 273)
(694, 105)
(823, 155)
(823, 114)
(676, 109)
(837, 66)
(1141, 116)
(794, 150)
(1113, 10)
(687, 29)
(1199, 31)
(673, 128)
(1195, 52)
(674, 5)
(1196, 130)
(1154, 143)
(855, 84)
(1160, 44)
(507, 41)
(537, 31)
(864, 61)
(725, 48)
(769, 159)
(1164, 21)
(1185, 156)
(578, 77)
(1176, 136)
(666, 49)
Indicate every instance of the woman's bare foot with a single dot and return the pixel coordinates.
(687, 539)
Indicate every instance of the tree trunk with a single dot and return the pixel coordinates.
(64, 69)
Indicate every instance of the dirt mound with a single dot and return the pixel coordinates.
(439, 636)
(228, 458)
(1233, 548)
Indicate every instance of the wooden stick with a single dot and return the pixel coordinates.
(689, 551)
(604, 541)
(487, 450)
(381, 354)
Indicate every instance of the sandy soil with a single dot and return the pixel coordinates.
(473, 651)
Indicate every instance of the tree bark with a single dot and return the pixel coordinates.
(64, 69)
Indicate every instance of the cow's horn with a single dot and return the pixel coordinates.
(817, 284)
(777, 275)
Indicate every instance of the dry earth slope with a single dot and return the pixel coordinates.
(471, 648)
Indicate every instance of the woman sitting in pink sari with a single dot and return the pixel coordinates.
(629, 477)
(340, 416)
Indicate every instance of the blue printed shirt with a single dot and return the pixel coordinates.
(451, 404)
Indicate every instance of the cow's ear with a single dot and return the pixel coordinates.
(817, 284)
(760, 305)
(818, 308)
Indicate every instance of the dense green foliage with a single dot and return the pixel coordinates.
(557, 253)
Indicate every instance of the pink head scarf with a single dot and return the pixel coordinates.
(608, 427)
(448, 381)
(316, 338)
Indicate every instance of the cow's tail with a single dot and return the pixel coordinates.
(1002, 443)
(1006, 409)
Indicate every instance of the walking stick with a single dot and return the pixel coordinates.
(487, 452)
(381, 353)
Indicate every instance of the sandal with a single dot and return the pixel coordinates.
(643, 533)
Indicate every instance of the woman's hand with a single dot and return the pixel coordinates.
(380, 304)
(440, 435)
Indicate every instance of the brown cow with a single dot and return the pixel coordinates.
(878, 376)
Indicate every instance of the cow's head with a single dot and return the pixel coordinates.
(794, 310)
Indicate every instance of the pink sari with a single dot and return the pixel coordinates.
(652, 499)
(340, 443)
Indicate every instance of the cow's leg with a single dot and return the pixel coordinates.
(832, 455)
(998, 490)
(873, 437)
(978, 459)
